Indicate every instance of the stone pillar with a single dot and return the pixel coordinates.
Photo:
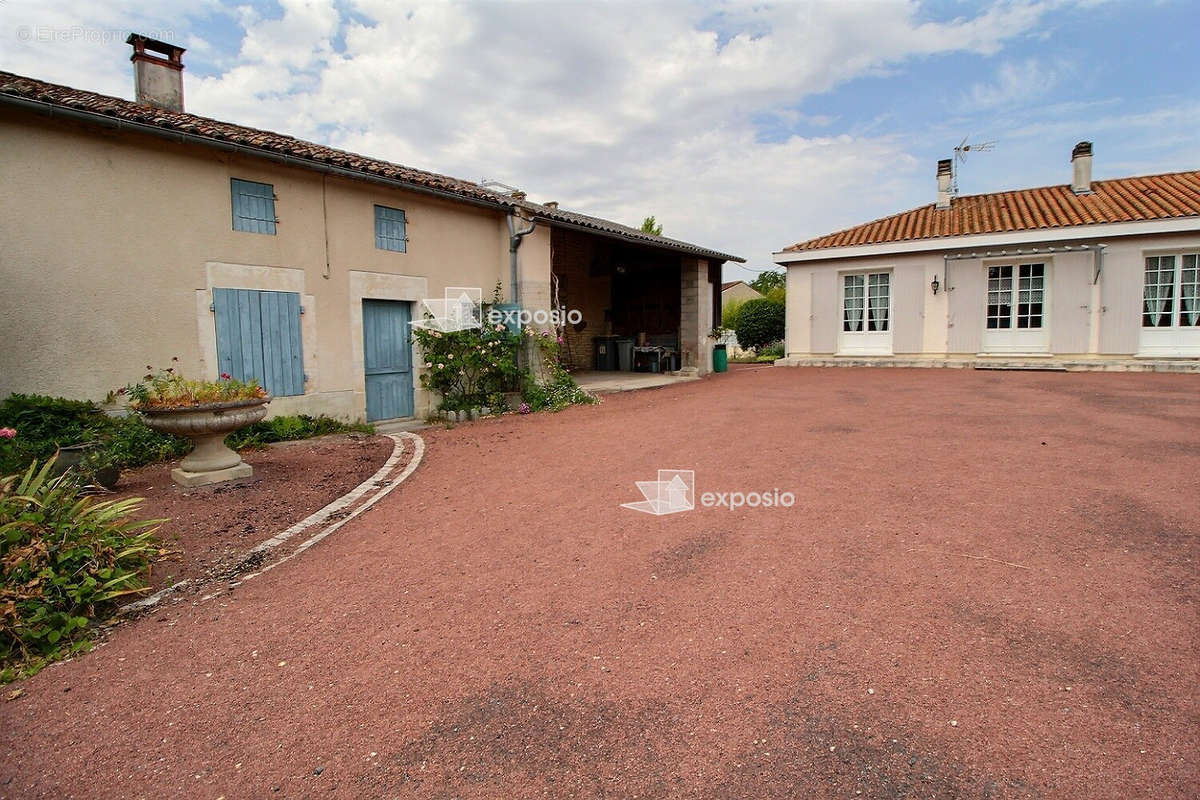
(695, 316)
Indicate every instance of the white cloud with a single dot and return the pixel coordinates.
(1016, 84)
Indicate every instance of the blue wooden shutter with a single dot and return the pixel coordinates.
(253, 206)
(258, 336)
(390, 227)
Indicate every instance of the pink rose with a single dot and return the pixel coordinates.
(8, 433)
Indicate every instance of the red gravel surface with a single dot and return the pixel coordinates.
(211, 528)
(987, 588)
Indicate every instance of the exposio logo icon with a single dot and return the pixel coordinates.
(675, 492)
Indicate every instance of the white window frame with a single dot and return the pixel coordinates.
(866, 342)
(1174, 339)
(1015, 339)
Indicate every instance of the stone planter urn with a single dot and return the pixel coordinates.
(207, 426)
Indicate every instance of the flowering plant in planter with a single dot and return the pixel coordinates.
(203, 411)
(167, 388)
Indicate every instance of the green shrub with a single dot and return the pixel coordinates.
(555, 394)
(552, 388)
(729, 313)
(44, 424)
(760, 322)
(770, 352)
(468, 367)
(64, 561)
(128, 442)
(286, 429)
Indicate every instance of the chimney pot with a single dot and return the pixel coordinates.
(1081, 168)
(944, 178)
(157, 72)
(551, 204)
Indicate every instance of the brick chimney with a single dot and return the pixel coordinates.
(1081, 164)
(157, 72)
(944, 177)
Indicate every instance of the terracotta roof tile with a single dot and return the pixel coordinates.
(1137, 199)
(18, 86)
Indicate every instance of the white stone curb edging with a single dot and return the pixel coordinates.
(335, 509)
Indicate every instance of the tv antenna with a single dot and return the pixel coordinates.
(960, 155)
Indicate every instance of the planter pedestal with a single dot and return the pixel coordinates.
(210, 460)
(192, 479)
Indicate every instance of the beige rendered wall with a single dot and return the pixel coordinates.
(112, 244)
(798, 311)
(1120, 296)
(739, 291)
(1086, 319)
(814, 310)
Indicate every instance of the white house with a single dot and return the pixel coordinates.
(1085, 275)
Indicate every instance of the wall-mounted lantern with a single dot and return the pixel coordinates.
(935, 285)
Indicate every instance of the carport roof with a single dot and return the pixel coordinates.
(604, 227)
(54, 99)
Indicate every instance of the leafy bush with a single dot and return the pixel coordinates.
(44, 424)
(469, 368)
(770, 352)
(759, 323)
(128, 442)
(166, 388)
(284, 429)
(556, 389)
(64, 560)
(729, 313)
(40, 425)
(554, 394)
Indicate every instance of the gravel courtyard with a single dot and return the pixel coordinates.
(986, 588)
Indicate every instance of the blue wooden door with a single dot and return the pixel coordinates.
(387, 356)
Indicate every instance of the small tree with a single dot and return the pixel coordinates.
(729, 313)
(759, 323)
(651, 226)
(766, 281)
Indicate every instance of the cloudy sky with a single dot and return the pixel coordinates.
(743, 126)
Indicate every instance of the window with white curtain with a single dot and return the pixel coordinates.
(866, 302)
(1171, 292)
(1019, 305)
